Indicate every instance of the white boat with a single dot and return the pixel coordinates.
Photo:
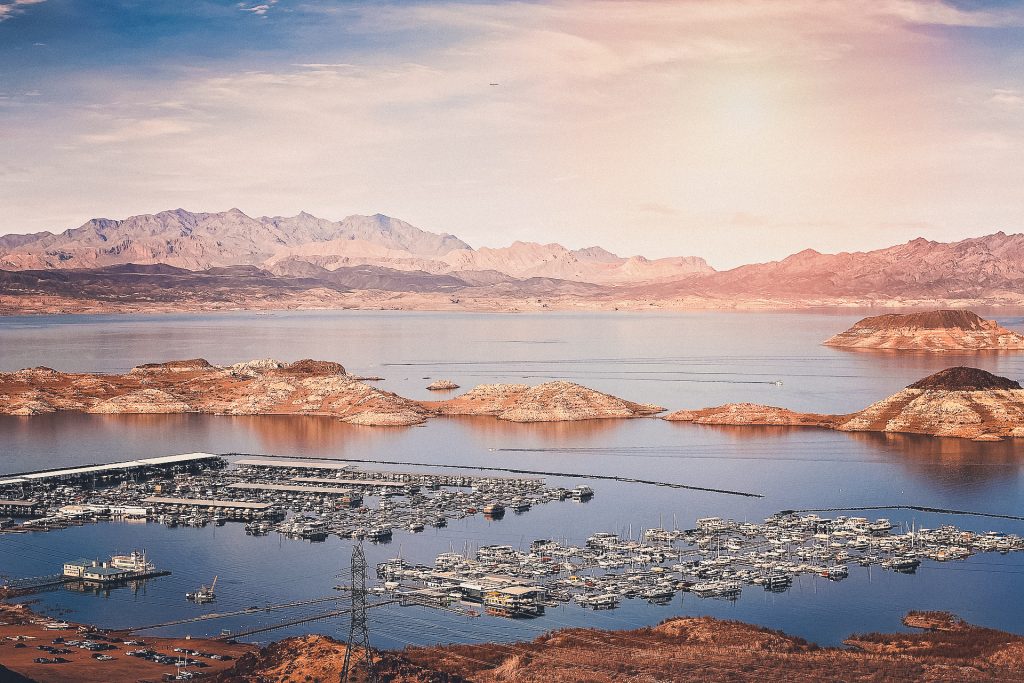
(133, 562)
(582, 492)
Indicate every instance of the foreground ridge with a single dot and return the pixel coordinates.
(686, 648)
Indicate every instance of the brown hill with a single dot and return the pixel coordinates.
(964, 379)
(679, 649)
(944, 330)
(958, 402)
(547, 402)
(266, 387)
(305, 387)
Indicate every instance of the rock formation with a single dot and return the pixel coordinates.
(442, 385)
(678, 649)
(957, 402)
(263, 387)
(751, 414)
(547, 402)
(305, 387)
(930, 331)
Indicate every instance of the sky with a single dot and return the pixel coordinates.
(736, 130)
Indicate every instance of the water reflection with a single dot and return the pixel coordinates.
(971, 464)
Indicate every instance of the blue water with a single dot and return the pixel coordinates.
(676, 360)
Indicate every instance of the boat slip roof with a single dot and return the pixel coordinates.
(110, 467)
(291, 489)
(351, 482)
(207, 503)
(294, 464)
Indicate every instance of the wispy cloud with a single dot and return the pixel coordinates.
(12, 8)
(734, 129)
(259, 9)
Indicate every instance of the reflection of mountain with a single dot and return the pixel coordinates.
(967, 464)
(501, 433)
(309, 435)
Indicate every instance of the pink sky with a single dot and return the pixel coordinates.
(735, 130)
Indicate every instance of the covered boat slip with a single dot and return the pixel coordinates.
(115, 471)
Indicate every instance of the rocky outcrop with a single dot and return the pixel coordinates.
(313, 657)
(946, 330)
(751, 414)
(442, 385)
(144, 401)
(547, 402)
(957, 402)
(708, 649)
(305, 387)
(262, 387)
(960, 402)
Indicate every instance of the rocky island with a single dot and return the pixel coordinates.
(957, 402)
(442, 385)
(945, 330)
(547, 402)
(305, 387)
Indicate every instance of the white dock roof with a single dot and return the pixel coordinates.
(204, 503)
(293, 464)
(334, 490)
(109, 467)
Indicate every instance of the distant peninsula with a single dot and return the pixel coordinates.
(944, 330)
(958, 402)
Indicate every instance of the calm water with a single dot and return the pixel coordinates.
(684, 360)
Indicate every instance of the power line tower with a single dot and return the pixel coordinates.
(358, 632)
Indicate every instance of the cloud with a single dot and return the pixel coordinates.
(12, 8)
(258, 9)
(657, 127)
(1010, 98)
(116, 131)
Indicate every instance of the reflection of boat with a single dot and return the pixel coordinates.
(204, 594)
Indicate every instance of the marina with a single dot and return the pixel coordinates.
(289, 497)
(718, 558)
(714, 560)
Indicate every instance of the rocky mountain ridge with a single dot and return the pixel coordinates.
(200, 241)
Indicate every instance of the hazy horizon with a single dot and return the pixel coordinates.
(738, 132)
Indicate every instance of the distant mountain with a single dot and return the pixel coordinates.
(199, 241)
(977, 268)
(373, 261)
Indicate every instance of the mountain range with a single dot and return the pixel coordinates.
(198, 241)
(181, 259)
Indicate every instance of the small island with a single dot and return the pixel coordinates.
(958, 402)
(936, 331)
(442, 385)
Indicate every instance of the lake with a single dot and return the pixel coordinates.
(684, 360)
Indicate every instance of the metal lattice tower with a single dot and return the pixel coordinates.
(359, 631)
